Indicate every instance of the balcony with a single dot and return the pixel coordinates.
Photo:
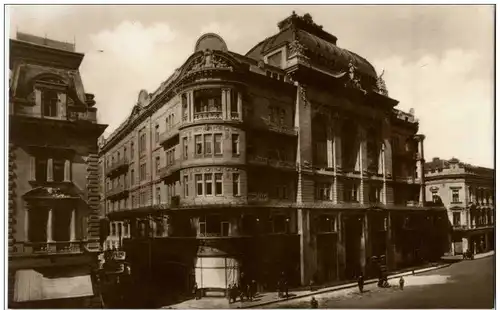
(280, 129)
(409, 180)
(117, 167)
(235, 116)
(168, 170)
(275, 163)
(207, 115)
(257, 197)
(58, 247)
(117, 191)
(169, 134)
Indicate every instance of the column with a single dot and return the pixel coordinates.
(72, 228)
(340, 247)
(26, 224)
(240, 106)
(307, 247)
(190, 99)
(67, 170)
(224, 105)
(362, 158)
(421, 168)
(390, 250)
(50, 176)
(49, 225)
(32, 168)
(362, 251)
(337, 144)
(329, 147)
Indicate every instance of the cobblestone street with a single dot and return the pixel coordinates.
(468, 284)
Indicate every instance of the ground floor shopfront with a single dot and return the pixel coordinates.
(53, 281)
(478, 240)
(217, 248)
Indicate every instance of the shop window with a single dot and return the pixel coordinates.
(279, 224)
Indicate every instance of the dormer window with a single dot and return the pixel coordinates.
(275, 59)
(49, 103)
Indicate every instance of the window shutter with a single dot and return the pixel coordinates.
(67, 170)
(50, 177)
(32, 168)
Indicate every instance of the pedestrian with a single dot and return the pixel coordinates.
(361, 283)
(314, 303)
(401, 283)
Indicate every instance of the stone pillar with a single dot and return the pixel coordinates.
(26, 224)
(190, 100)
(307, 247)
(240, 106)
(391, 247)
(224, 105)
(67, 171)
(362, 251)
(305, 186)
(340, 247)
(72, 228)
(49, 225)
(50, 175)
(421, 166)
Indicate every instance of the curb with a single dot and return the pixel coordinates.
(345, 286)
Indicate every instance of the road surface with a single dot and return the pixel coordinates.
(467, 284)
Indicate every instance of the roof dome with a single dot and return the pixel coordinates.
(210, 41)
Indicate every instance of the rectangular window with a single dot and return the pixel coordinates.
(456, 218)
(157, 163)
(199, 184)
(203, 227)
(142, 143)
(142, 172)
(323, 191)
(132, 177)
(41, 169)
(455, 196)
(198, 144)
(158, 195)
(49, 103)
(208, 184)
(218, 184)
(157, 133)
(58, 170)
(132, 150)
(235, 142)
(225, 229)
(185, 147)
(218, 143)
(186, 186)
(208, 144)
(236, 184)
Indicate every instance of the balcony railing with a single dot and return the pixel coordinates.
(117, 190)
(58, 247)
(117, 166)
(276, 163)
(166, 171)
(207, 115)
(235, 115)
(257, 197)
(409, 180)
(460, 227)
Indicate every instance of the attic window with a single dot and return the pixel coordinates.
(49, 103)
(275, 59)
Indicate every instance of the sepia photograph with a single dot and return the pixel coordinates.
(272, 156)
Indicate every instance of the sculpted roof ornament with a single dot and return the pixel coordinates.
(354, 81)
(209, 60)
(297, 49)
(381, 87)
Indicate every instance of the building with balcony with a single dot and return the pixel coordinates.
(468, 193)
(291, 158)
(53, 233)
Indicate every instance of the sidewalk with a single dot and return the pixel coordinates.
(460, 257)
(267, 298)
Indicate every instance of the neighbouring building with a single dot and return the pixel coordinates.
(53, 206)
(468, 193)
(291, 158)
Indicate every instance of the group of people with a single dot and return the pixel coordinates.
(243, 291)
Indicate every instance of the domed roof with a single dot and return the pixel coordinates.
(210, 41)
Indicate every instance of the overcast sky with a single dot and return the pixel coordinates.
(437, 59)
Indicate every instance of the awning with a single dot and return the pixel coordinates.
(31, 285)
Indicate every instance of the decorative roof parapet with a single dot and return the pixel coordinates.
(354, 81)
(297, 49)
(306, 23)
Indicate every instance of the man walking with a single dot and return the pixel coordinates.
(401, 283)
(361, 283)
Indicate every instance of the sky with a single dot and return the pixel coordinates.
(438, 60)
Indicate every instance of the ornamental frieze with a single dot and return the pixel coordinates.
(209, 60)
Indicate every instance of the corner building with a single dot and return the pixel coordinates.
(468, 193)
(53, 206)
(291, 158)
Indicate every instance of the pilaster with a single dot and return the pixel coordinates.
(240, 106)
(73, 225)
(225, 115)
(26, 224)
